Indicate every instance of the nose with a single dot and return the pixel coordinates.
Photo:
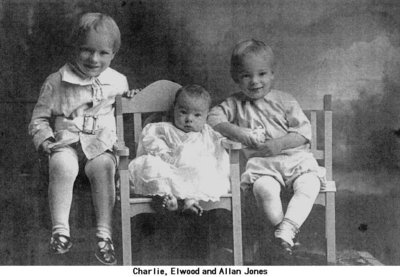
(254, 80)
(94, 57)
(189, 118)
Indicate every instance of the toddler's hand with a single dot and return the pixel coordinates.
(131, 93)
(247, 137)
(269, 148)
(44, 147)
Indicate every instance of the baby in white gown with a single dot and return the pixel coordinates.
(183, 160)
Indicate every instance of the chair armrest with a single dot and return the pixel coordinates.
(121, 150)
(231, 145)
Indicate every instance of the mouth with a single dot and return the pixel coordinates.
(188, 127)
(255, 89)
(92, 67)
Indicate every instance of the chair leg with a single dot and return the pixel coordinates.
(236, 208)
(126, 239)
(237, 238)
(330, 233)
(125, 214)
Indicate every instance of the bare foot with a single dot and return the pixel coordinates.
(170, 202)
(164, 203)
(192, 206)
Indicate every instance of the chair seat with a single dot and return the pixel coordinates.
(330, 186)
(143, 204)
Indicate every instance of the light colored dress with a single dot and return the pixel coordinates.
(187, 165)
(277, 114)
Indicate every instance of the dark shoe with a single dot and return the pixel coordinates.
(283, 247)
(105, 251)
(297, 243)
(60, 244)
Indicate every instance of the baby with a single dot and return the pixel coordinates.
(277, 135)
(183, 160)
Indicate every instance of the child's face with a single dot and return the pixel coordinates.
(255, 76)
(95, 53)
(190, 113)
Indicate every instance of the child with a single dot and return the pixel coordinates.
(78, 100)
(184, 159)
(277, 135)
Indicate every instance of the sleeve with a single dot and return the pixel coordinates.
(224, 112)
(39, 127)
(297, 120)
(153, 140)
(124, 85)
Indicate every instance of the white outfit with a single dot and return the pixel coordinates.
(187, 165)
(271, 117)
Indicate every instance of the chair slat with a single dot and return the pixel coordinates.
(313, 120)
(137, 123)
(328, 143)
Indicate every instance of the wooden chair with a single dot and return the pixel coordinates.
(158, 97)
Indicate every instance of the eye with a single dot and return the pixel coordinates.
(103, 53)
(243, 76)
(263, 73)
(182, 111)
(198, 115)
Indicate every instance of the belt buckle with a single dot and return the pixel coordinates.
(89, 124)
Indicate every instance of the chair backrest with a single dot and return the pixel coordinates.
(320, 115)
(157, 97)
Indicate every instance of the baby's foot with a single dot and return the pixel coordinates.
(164, 203)
(170, 202)
(191, 206)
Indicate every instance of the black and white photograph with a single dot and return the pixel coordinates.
(232, 135)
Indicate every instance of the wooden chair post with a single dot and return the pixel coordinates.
(124, 187)
(236, 207)
(330, 221)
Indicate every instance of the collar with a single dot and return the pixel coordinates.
(71, 75)
(243, 97)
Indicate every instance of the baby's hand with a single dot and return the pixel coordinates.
(166, 157)
(131, 93)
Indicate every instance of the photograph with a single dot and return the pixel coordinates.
(221, 137)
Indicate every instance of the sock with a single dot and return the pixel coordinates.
(287, 230)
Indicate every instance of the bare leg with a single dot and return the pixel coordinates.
(101, 174)
(63, 169)
(267, 194)
(306, 188)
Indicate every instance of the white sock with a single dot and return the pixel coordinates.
(287, 230)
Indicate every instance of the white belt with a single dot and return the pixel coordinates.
(87, 124)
